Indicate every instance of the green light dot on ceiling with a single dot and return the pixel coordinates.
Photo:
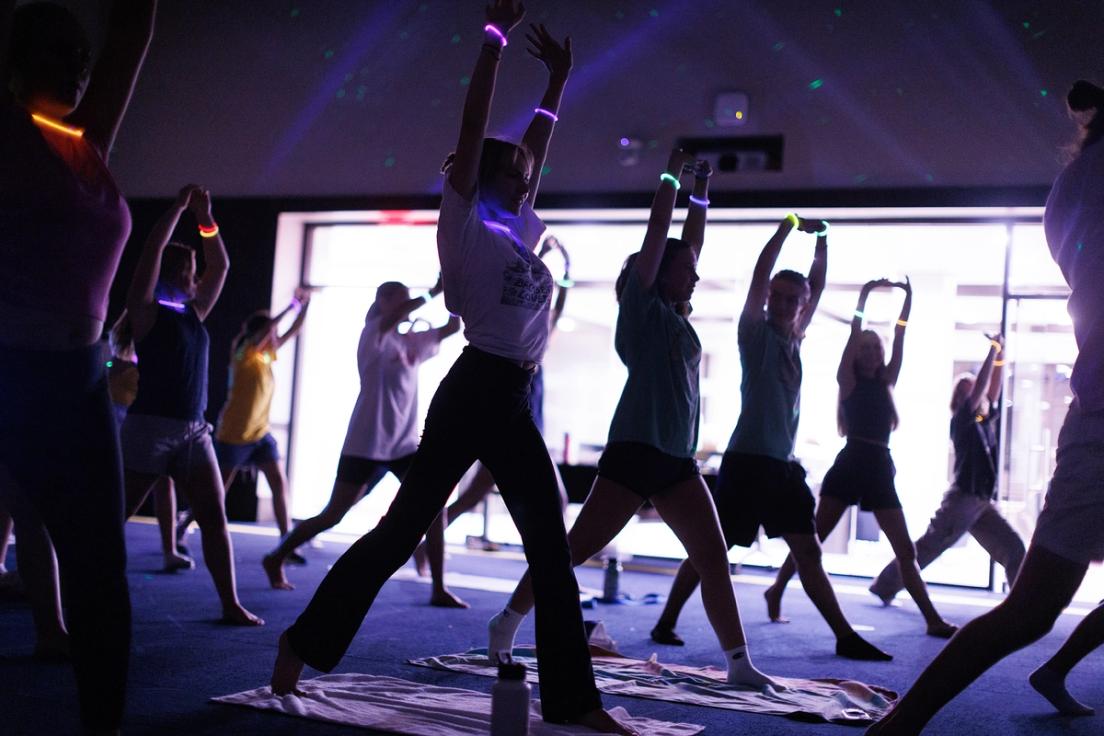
(653, 144)
(456, 38)
(860, 178)
(654, 12)
(929, 177)
(1026, 24)
(340, 93)
(778, 46)
(389, 161)
(708, 122)
(404, 35)
(816, 84)
(329, 53)
(423, 7)
(295, 12)
(465, 80)
(1043, 92)
(838, 12)
(545, 170)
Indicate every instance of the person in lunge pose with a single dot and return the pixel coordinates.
(383, 429)
(863, 471)
(969, 505)
(654, 432)
(165, 432)
(1070, 530)
(63, 226)
(760, 483)
(486, 235)
(242, 438)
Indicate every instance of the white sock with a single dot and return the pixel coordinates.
(742, 672)
(501, 630)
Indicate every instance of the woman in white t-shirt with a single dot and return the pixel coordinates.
(486, 234)
(1070, 531)
(383, 429)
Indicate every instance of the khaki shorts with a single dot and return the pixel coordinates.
(1072, 522)
(164, 446)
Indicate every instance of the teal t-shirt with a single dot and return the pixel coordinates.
(660, 404)
(770, 390)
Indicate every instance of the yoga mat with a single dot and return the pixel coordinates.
(831, 700)
(400, 706)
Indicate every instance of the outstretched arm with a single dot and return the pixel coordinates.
(502, 15)
(659, 222)
(983, 384)
(143, 284)
(845, 374)
(894, 369)
(760, 276)
(557, 59)
(129, 31)
(818, 271)
(693, 230)
(404, 310)
(300, 301)
(996, 381)
(215, 258)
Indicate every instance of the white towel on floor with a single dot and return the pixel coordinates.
(404, 707)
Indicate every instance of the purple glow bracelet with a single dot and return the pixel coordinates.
(548, 114)
(700, 201)
(493, 29)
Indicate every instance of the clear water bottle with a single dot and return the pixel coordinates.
(510, 701)
(611, 582)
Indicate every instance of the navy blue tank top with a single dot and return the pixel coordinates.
(172, 366)
(869, 411)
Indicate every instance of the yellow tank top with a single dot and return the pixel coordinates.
(244, 416)
(122, 381)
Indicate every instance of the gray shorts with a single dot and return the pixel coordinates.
(1072, 522)
(164, 446)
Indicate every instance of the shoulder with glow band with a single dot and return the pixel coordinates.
(670, 179)
(208, 231)
(494, 30)
(700, 201)
(547, 113)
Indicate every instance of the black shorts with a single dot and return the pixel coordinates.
(643, 469)
(862, 474)
(363, 471)
(758, 491)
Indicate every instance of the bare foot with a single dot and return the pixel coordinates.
(444, 598)
(773, 596)
(885, 601)
(942, 629)
(421, 561)
(175, 562)
(274, 568)
(286, 671)
(238, 616)
(603, 722)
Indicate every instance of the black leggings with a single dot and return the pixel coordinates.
(59, 442)
(480, 412)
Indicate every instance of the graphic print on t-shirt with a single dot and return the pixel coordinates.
(526, 286)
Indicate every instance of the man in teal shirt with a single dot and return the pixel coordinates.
(760, 484)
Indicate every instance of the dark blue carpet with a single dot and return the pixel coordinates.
(182, 656)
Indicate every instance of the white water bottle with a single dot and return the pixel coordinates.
(510, 701)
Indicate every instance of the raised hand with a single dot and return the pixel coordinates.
(555, 57)
(505, 14)
(810, 226)
(680, 162)
(184, 196)
(702, 169)
(199, 203)
(906, 285)
(302, 295)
